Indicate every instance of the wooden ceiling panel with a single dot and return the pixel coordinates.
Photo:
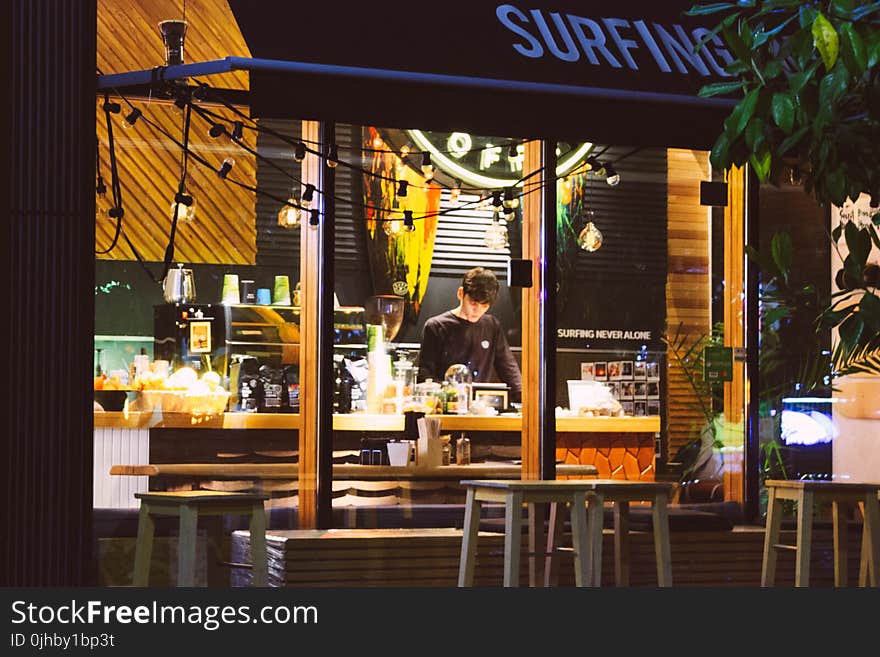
(149, 162)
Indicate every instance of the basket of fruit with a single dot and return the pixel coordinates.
(184, 392)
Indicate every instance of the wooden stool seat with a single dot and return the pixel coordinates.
(188, 506)
(621, 493)
(806, 494)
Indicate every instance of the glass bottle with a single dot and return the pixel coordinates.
(463, 450)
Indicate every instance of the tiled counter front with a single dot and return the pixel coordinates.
(617, 455)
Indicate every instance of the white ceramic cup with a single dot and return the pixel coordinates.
(398, 452)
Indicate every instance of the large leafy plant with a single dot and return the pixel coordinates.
(807, 75)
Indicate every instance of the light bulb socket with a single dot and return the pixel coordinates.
(401, 187)
(112, 108)
(237, 131)
(116, 213)
(100, 187)
(183, 199)
(408, 222)
(226, 167)
(595, 164)
(332, 156)
(299, 151)
(217, 130)
(611, 175)
(308, 193)
(513, 151)
(133, 116)
(496, 199)
(314, 217)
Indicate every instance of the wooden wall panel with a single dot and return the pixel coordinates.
(687, 284)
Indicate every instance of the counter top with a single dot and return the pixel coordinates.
(342, 471)
(368, 422)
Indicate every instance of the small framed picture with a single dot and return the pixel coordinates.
(640, 408)
(626, 369)
(627, 389)
(497, 399)
(600, 370)
(588, 371)
(652, 370)
(627, 407)
(653, 390)
(639, 370)
(614, 370)
(200, 337)
(653, 407)
(615, 390)
(640, 389)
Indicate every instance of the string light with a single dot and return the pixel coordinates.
(299, 151)
(289, 216)
(102, 203)
(332, 156)
(308, 193)
(405, 151)
(217, 130)
(226, 167)
(237, 131)
(186, 208)
(496, 200)
(132, 118)
(590, 238)
(314, 217)
(408, 223)
(611, 176)
(455, 194)
(112, 108)
(401, 187)
(511, 202)
(392, 228)
(427, 167)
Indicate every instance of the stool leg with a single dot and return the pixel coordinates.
(662, 553)
(771, 538)
(469, 540)
(555, 530)
(840, 541)
(621, 543)
(144, 547)
(186, 546)
(580, 532)
(863, 554)
(804, 538)
(595, 521)
(537, 513)
(512, 537)
(259, 561)
(872, 530)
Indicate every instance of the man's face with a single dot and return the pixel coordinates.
(471, 310)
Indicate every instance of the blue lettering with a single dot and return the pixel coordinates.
(504, 12)
(708, 53)
(674, 48)
(578, 23)
(571, 53)
(652, 46)
(624, 45)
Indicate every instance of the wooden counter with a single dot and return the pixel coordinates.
(367, 422)
(341, 471)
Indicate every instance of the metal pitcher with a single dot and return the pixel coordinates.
(179, 285)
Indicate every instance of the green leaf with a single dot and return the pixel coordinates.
(836, 186)
(831, 318)
(835, 234)
(850, 330)
(826, 40)
(791, 140)
(833, 86)
(743, 112)
(736, 44)
(761, 164)
(781, 248)
(852, 50)
(705, 10)
(869, 309)
(754, 133)
(719, 88)
(858, 241)
(782, 106)
(872, 45)
(720, 155)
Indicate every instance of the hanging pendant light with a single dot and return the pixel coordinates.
(289, 216)
(186, 208)
(590, 238)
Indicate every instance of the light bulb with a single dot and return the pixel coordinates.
(454, 194)
(405, 151)
(314, 218)
(185, 213)
(511, 202)
(590, 238)
(611, 176)
(332, 156)
(289, 215)
(299, 151)
(408, 223)
(392, 228)
(378, 143)
(495, 237)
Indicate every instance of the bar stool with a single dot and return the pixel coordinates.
(866, 549)
(620, 493)
(806, 494)
(188, 506)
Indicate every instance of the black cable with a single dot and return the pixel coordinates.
(115, 189)
(181, 186)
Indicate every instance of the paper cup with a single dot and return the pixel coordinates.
(398, 452)
(281, 291)
(264, 298)
(230, 289)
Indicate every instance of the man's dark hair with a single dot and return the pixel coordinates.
(481, 285)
